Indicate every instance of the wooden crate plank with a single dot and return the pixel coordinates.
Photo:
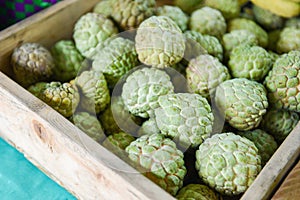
(274, 171)
(57, 147)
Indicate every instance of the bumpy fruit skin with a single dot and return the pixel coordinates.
(289, 40)
(251, 62)
(130, 14)
(264, 142)
(159, 42)
(247, 24)
(115, 59)
(267, 19)
(68, 60)
(229, 8)
(176, 14)
(90, 32)
(243, 102)
(149, 127)
(63, 98)
(31, 63)
(279, 123)
(104, 7)
(204, 74)
(158, 159)
(118, 142)
(188, 6)
(200, 44)
(282, 82)
(89, 124)
(293, 22)
(95, 93)
(236, 38)
(228, 163)
(196, 192)
(208, 21)
(143, 88)
(116, 118)
(185, 117)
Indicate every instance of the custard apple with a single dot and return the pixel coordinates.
(143, 88)
(196, 192)
(243, 102)
(208, 21)
(129, 14)
(293, 22)
(115, 60)
(68, 60)
(264, 142)
(279, 123)
(283, 82)
(187, 118)
(90, 32)
(229, 8)
(31, 63)
(251, 62)
(62, 97)
(176, 14)
(105, 7)
(95, 93)
(289, 40)
(204, 74)
(159, 42)
(158, 159)
(228, 163)
(188, 6)
(89, 124)
(199, 44)
(251, 26)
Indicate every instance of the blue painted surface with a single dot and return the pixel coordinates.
(20, 180)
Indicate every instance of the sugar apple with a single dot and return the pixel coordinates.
(188, 6)
(264, 142)
(283, 82)
(68, 60)
(31, 63)
(204, 74)
(200, 44)
(228, 163)
(176, 14)
(129, 14)
(116, 118)
(149, 127)
(185, 117)
(279, 123)
(115, 59)
(267, 19)
(292, 22)
(158, 159)
(196, 192)
(62, 97)
(95, 93)
(118, 142)
(104, 7)
(159, 42)
(143, 88)
(247, 24)
(243, 102)
(89, 124)
(236, 38)
(208, 21)
(289, 40)
(251, 62)
(229, 8)
(90, 31)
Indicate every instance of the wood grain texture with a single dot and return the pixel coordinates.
(66, 154)
(290, 188)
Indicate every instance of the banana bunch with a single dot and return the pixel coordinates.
(284, 8)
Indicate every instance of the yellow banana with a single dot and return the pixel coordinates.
(284, 8)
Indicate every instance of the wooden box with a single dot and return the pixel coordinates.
(58, 147)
